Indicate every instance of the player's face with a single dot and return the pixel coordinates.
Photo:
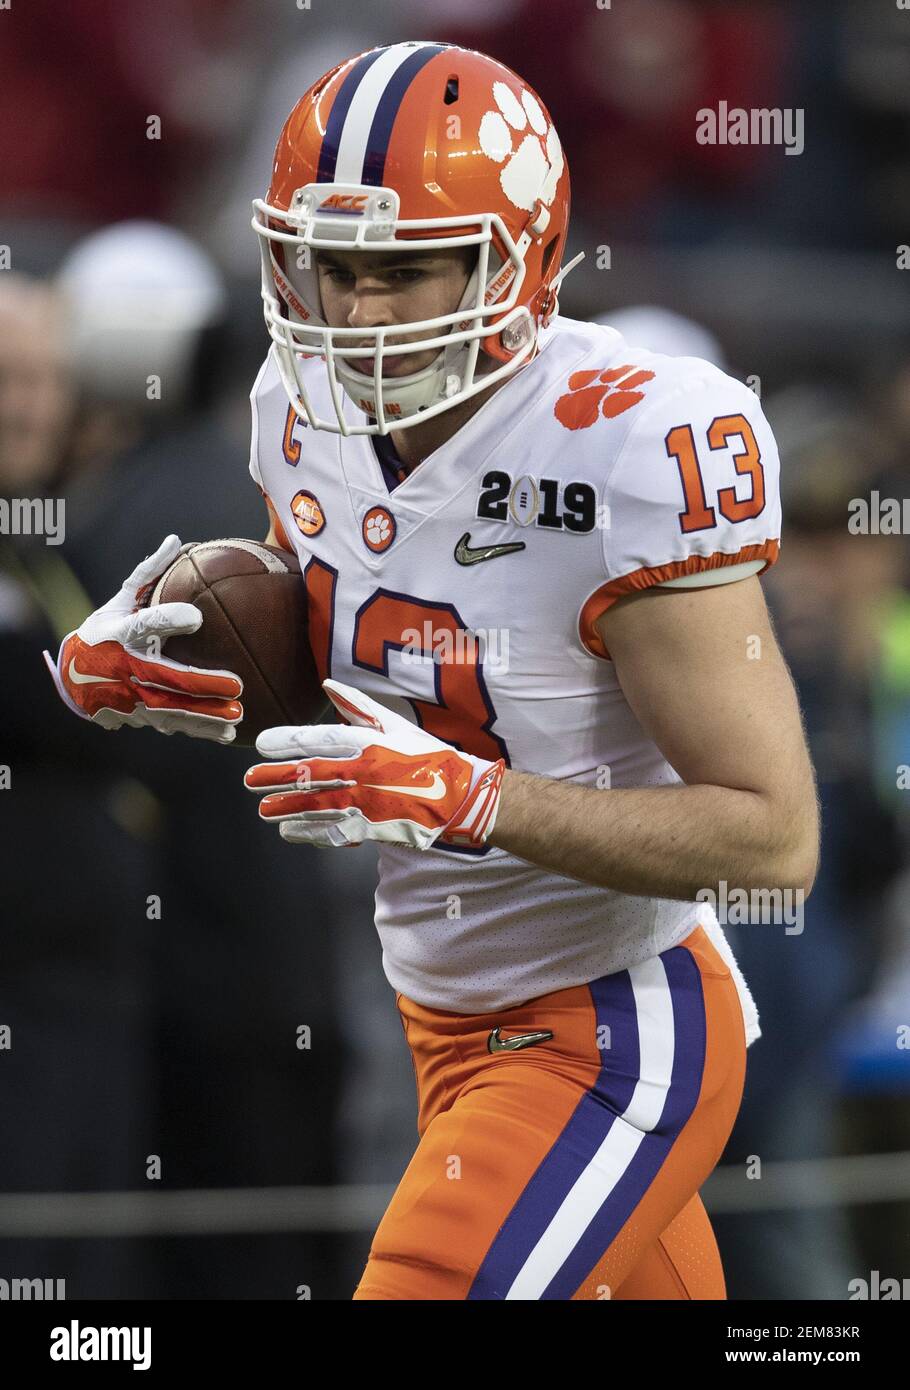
(361, 289)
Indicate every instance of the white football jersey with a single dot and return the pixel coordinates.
(465, 599)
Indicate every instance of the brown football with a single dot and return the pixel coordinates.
(254, 622)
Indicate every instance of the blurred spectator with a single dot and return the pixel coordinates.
(140, 296)
(148, 339)
(213, 993)
(76, 1083)
(824, 594)
(661, 330)
(37, 394)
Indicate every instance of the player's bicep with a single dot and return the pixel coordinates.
(703, 674)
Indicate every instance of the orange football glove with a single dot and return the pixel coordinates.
(110, 669)
(381, 778)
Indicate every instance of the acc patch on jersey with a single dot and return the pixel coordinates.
(308, 513)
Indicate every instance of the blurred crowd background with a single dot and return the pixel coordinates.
(134, 1035)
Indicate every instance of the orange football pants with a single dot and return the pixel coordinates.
(569, 1169)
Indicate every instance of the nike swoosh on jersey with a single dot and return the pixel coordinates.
(434, 793)
(497, 1044)
(467, 554)
(79, 679)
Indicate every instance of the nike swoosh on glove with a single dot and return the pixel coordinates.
(380, 778)
(106, 670)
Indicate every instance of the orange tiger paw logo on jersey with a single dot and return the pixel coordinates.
(378, 529)
(592, 394)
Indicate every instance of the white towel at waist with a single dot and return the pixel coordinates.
(707, 918)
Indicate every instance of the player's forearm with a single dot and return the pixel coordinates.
(655, 842)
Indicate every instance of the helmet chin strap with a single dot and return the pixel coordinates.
(400, 395)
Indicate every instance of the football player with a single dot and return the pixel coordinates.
(531, 555)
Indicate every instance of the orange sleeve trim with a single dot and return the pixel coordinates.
(280, 534)
(646, 578)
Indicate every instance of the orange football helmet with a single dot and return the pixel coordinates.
(435, 146)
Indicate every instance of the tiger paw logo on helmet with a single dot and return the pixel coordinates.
(533, 169)
(592, 394)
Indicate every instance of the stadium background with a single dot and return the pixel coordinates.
(133, 1035)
